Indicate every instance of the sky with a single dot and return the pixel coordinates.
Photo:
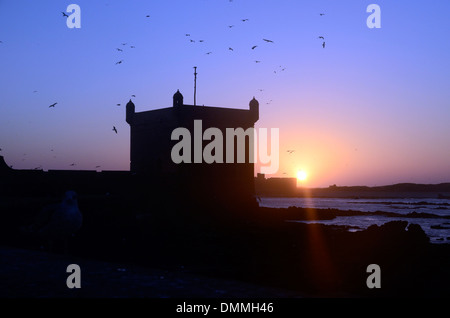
(370, 108)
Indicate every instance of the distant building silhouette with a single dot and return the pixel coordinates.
(277, 187)
(151, 147)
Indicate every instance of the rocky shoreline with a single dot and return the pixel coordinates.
(251, 245)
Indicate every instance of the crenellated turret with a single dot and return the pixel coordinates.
(130, 109)
(177, 99)
(254, 109)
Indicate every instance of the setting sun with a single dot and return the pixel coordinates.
(301, 175)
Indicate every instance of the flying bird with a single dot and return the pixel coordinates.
(147, 16)
(257, 61)
(254, 46)
(133, 95)
(34, 91)
(132, 46)
(118, 104)
(114, 129)
(52, 105)
(124, 44)
(119, 62)
(209, 53)
(230, 26)
(321, 14)
(321, 37)
(64, 14)
(243, 20)
(72, 164)
(268, 40)
(120, 50)
(290, 151)
(57, 222)
(187, 34)
(230, 48)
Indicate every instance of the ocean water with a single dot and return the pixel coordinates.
(437, 229)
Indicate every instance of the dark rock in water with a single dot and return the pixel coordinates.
(439, 227)
(395, 232)
(416, 232)
(391, 228)
(423, 215)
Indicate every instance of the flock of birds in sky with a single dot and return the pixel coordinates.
(62, 220)
(124, 45)
(207, 53)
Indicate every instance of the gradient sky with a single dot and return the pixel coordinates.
(371, 108)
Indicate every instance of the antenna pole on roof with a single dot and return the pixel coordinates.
(195, 83)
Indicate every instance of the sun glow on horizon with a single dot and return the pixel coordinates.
(301, 175)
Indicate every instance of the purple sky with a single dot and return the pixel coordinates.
(371, 108)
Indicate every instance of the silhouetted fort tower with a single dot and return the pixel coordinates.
(151, 146)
